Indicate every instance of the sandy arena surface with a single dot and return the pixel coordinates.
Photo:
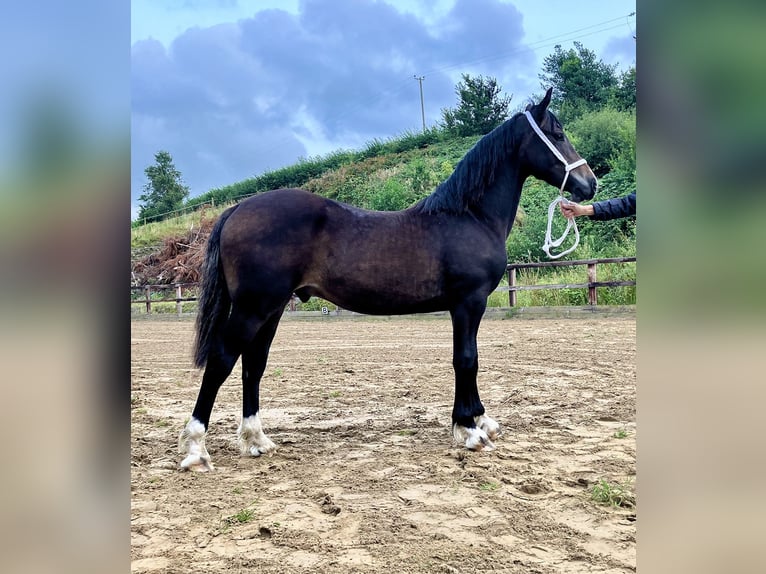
(367, 477)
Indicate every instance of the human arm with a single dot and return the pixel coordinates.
(602, 210)
(614, 208)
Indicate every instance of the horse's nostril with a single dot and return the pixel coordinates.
(593, 186)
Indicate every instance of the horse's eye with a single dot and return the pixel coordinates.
(558, 136)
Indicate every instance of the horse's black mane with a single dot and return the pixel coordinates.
(473, 174)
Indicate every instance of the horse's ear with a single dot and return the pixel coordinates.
(538, 111)
(547, 99)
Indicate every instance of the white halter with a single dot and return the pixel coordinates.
(550, 243)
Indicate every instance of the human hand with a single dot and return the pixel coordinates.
(571, 209)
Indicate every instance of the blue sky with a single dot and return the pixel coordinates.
(232, 88)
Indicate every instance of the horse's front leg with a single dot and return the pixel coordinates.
(470, 426)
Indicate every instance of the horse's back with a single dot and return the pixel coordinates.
(374, 262)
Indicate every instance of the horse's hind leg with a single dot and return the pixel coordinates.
(470, 425)
(237, 332)
(252, 440)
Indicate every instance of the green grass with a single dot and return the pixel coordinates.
(155, 232)
(577, 296)
(242, 517)
(613, 494)
(489, 486)
(621, 433)
(139, 307)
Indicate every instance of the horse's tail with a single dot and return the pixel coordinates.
(214, 302)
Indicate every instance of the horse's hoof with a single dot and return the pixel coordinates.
(473, 438)
(256, 450)
(484, 444)
(191, 443)
(252, 440)
(196, 463)
(489, 426)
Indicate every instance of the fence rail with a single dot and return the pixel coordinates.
(178, 299)
(592, 285)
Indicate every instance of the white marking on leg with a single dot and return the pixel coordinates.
(252, 440)
(488, 425)
(191, 442)
(472, 438)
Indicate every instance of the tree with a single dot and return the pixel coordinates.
(164, 192)
(580, 82)
(480, 108)
(625, 93)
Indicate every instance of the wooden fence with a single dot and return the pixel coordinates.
(178, 299)
(591, 285)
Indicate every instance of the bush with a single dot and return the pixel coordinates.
(605, 137)
(392, 197)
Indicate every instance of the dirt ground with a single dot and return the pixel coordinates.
(367, 477)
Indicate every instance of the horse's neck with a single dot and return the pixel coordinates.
(500, 201)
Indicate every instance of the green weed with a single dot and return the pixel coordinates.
(242, 517)
(613, 494)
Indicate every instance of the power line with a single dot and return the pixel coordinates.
(532, 47)
(544, 43)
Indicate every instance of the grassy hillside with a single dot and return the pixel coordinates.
(388, 176)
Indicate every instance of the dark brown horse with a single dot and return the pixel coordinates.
(447, 252)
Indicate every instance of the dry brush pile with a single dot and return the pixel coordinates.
(178, 260)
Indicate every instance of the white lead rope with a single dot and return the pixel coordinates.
(549, 242)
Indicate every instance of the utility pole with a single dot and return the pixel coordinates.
(422, 107)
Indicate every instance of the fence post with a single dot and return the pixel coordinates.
(592, 297)
(147, 291)
(178, 299)
(511, 283)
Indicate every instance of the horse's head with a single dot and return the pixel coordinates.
(550, 155)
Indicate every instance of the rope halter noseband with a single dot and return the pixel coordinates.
(550, 243)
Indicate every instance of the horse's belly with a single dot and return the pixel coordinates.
(389, 296)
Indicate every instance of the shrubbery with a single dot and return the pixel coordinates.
(605, 137)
